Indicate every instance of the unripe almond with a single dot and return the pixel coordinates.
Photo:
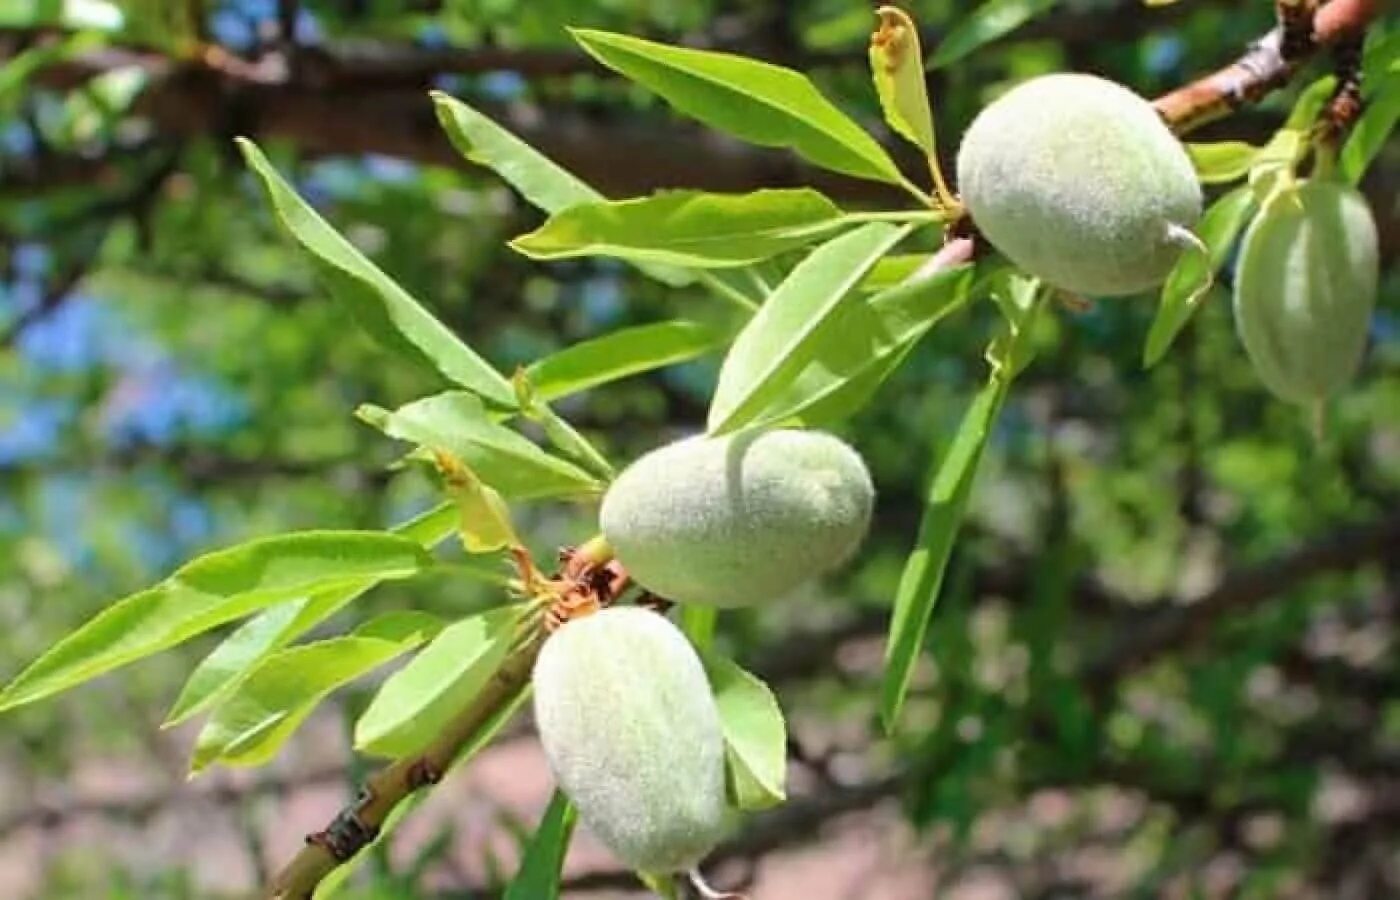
(738, 520)
(1305, 288)
(633, 736)
(1077, 181)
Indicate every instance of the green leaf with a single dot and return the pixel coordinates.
(687, 228)
(538, 178)
(945, 505)
(274, 628)
(756, 101)
(419, 699)
(251, 725)
(458, 424)
(564, 437)
(779, 341)
(540, 867)
(869, 341)
(210, 591)
(897, 64)
(1221, 162)
(990, 21)
(619, 354)
(755, 736)
(1371, 130)
(382, 308)
(892, 271)
(698, 624)
(1190, 279)
(98, 15)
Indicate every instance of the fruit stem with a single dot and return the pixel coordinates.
(947, 201)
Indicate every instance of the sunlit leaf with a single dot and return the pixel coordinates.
(211, 590)
(755, 736)
(382, 308)
(457, 423)
(619, 354)
(98, 15)
(1222, 162)
(778, 342)
(276, 627)
(854, 357)
(419, 699)
(756, 101)
(538, 178)
(949, 486)
(687, 228)
(255, 720)
(1372, 129)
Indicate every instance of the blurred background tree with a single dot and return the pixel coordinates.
(1166, 664)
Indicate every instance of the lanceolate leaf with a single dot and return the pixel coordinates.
(382, 308)
(755, 736)
(621, 353)
(538, 178)
(897, 64)
(758, 102)
(869, 339)
(249, 727)
(1190, 279)
(210, 591)
(944, 506)
(985, 24)
(274, 628)
(687, 228)
(1222, 162)
(416, 701)
(457, 423)
(540, 867)
(778, 342)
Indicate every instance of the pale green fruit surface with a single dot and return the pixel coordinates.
(1077, 181)
(738, 520)
(632, 733)
(1305, 287)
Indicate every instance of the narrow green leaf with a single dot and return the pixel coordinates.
(892, 271)
(619, 354)
(778, 342)
(946, 501)
(1371, 131)
(382, 308)
(1190, 279)
(563, 436)
(543, 862)
(756, 101)
(687, 228)
(897, 65)
(418, 700)
(251, 725)
(755, 736)
(1223, 161)
(274, 628)
(869, 341)
(457, 423)
(210, 591)
(538, 178)
(987, 23)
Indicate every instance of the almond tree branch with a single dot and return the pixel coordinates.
(1268, 64)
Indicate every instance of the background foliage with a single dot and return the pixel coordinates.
(1165, 661)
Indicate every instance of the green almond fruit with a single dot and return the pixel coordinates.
(633, 736)
(1079, 182)
(741, 519)
(1305, 287)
